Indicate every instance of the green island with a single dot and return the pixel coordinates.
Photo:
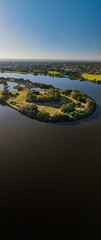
(53, 105)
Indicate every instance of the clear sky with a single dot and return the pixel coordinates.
(50, 29)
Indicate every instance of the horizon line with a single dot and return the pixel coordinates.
(50, 59)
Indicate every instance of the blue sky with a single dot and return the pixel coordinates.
(50, 29)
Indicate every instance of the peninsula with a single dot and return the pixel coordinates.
(53, 105)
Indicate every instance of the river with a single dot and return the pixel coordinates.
(50, 174)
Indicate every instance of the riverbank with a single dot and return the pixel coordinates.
(95, 78)
(35, 72)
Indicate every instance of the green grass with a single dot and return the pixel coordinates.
(19, 100)
(32, 72)
(12, 71)
(16, 71)
(54, 72)
(50, 110)
(92, 77)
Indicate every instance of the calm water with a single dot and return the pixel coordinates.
(50, 174)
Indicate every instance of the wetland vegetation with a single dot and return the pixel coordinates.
(27, 84)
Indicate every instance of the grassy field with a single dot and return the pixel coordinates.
(12, 71)
(33, 72)
(92, 77)
(54, 72)
(16, 71)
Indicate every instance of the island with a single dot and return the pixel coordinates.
(52, 105)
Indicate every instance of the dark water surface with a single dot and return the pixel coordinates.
(50, 174)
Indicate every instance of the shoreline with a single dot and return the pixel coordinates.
(82, 77)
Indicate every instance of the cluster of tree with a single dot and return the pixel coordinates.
(40, 85)
(78, 115)
(66, 92)
(43, 116)
(73, 75)
(90, 107)
(53, 95)
(6, 94)
(58, 117)
(79, 96)
(49, 96)
(29, 110)
(32, 96)
(67, 107)
(32, 112)
(2, 101)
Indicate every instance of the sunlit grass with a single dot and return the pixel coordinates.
(54, 72)
(92, 77)
(50, 110)
(31, 72)
(19, 99)
(15, 71)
